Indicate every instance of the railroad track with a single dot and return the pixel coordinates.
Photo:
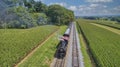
(75, 55)
(59, 63)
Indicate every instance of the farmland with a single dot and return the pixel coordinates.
(44, 55)
(117, 31)
(103, 44)
(109, 23)
(17, 43)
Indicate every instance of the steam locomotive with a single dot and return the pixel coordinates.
(63, 44)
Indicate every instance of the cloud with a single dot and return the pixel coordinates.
(73, 8)
(98, 1)
(97, 5)
(94, 9)
(61, 4)
(39, 0)
(91, 7)
(117, 8)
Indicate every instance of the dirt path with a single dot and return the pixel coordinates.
(108, 28)
(35, 49)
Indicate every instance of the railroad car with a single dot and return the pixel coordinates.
(63, 44)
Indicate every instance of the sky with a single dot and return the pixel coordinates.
(89, 7)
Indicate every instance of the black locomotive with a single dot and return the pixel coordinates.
(63, 44)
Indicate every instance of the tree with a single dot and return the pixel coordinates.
(60, 15)
(40, 7)
(34, 6)
(30, 5)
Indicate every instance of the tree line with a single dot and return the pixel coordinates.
(30, 13)
(111, 18)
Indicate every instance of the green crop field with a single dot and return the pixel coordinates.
(45, 54)
(112, 24)
(17, 43)
(104, 44)
(109, 23)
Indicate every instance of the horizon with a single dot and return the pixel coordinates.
(100, 16)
